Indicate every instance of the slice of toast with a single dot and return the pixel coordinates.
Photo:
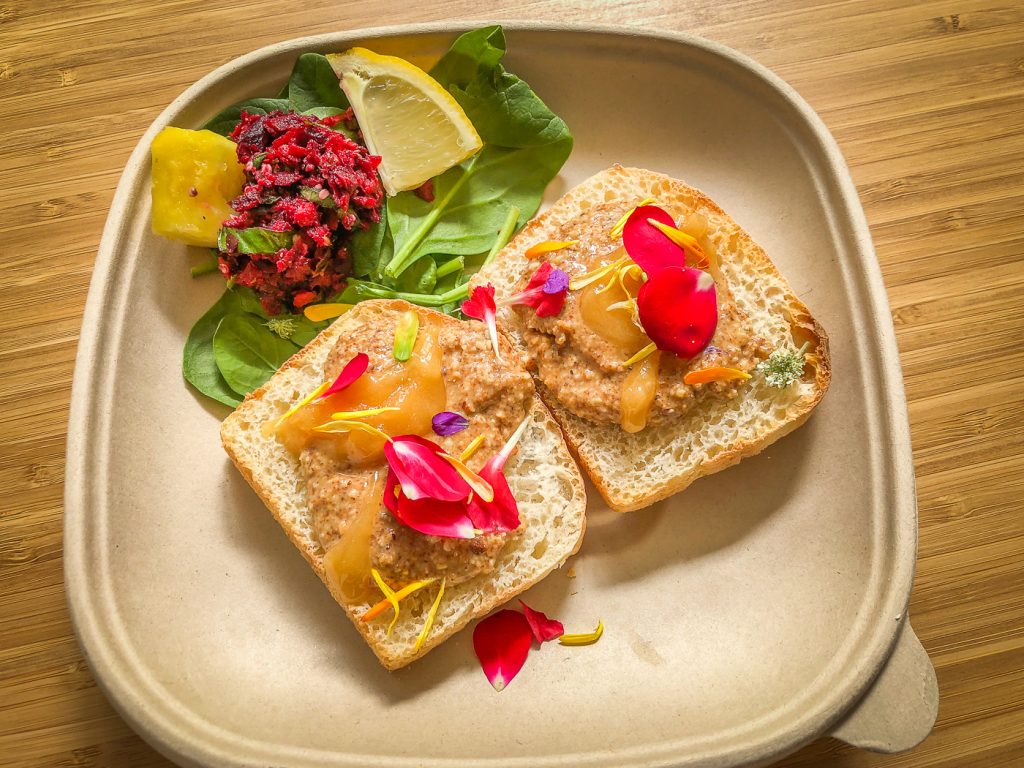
(632, 471)
(543, 477)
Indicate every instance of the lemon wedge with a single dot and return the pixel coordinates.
(406, 117)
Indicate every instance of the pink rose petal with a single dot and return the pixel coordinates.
(480, 306)
(646, 245)
(447, 519)
(678, 309)
(353, 369)
(423, 473)
(502, 642)
(545, 292)
(543, 628)
(500, 514)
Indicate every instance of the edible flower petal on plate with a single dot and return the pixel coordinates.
(447, 519)
(548, 246)
(543, 628)
(586, 638)
(448, 423)
(678, 309)
(431, 614)
(353, 369)
(502, 642)
(480, 306)
(545, 292)
(317, 313)
(378, 608)
(647, 245)
(707, 375)
(422, 471)
(501, 513)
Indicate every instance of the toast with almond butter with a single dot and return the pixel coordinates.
(323, 479)
(648, 418)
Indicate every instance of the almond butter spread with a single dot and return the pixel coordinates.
(452, 368)
(579, 354)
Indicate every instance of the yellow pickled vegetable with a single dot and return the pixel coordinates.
(195, 176)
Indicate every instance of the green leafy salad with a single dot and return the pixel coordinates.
(353, 242)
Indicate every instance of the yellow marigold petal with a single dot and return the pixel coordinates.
(350, 426)
(318, 312)
(270, 427)
(430, 617)
(472, 448)
(645, 352)
(548, 246)
(620, 225)
(389, 595)
(627, 305)
(596, 274)
(349, 415)
(707, 375)
(480, 486)
(588, 638)
(378, 608)
(681, 239)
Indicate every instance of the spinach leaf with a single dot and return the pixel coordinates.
(421, 277)
(248, 353)
(255, 240)
(479, 49)
(197, 363)
(324, 111)
(525, 145)
(306, 330)
(224, 122)
(370, 247)
(314, 84)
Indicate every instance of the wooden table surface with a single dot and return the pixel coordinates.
(926, 101)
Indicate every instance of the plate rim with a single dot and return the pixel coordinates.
(158, 726)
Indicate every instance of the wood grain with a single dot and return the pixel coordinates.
(926, 100)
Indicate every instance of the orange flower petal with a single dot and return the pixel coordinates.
(707, 375)
(378, 608)
(319, 312)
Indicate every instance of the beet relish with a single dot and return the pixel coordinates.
(302, 176)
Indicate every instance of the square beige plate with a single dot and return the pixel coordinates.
(759, 609)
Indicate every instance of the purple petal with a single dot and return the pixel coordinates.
(557, 282)
(447, 423)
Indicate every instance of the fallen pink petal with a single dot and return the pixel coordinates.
(543, 628)
(502, 642)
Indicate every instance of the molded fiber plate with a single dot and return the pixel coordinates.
(744, 616)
